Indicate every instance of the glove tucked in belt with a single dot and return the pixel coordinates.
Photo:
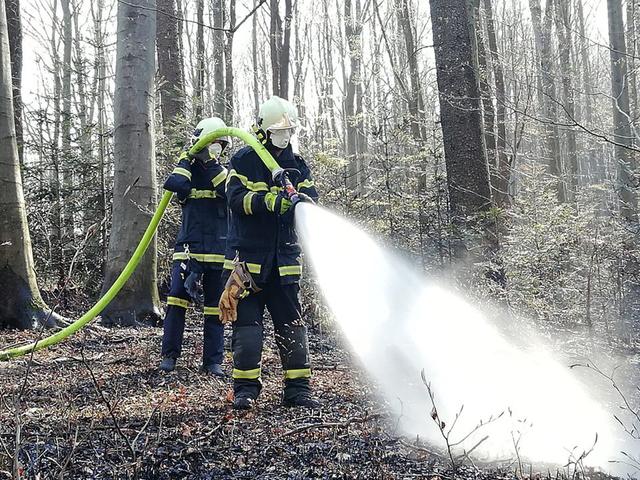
(239, 285)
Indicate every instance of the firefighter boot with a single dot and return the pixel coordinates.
(168, 364)
(294, 353)
(246, 344)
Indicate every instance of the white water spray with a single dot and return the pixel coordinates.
(399, 324)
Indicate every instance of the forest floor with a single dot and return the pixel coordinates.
(96, 407)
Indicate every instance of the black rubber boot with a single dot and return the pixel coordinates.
(303, 399)
(168, 364)
(243, 403)
(213, 369)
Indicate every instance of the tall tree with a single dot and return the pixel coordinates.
(169, 62)
(503, 168)
(547, 91)
(134, 191)
(217, 11)
(565, 41)
(460, 112)
(354, 124)
(21, 305)
(280, 42)
(14, 27)
(228, 65)
(198, 90)
(621, 113)
(416, 99)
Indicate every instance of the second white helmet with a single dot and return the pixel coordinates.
(208, 125)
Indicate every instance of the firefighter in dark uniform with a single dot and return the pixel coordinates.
(199, 183)
(263, 240)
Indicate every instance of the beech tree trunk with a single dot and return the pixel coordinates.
(15, 52)
(134, 191)
(21, 305)
(621, 114)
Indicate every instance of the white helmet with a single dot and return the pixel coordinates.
(280, 118)
(205, 127)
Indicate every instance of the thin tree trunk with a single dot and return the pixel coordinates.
(488, 111)
(275, 41)
(21, 305)
(565, 41)
(547, 94)
(15, 50)
(199, 87)
(353, 104)
(67, 155)
(594, 171)
(285, 50)
(228, 66)
(254, 59)
(134, 191)
(416, 100)
(169, 62)
(218, 52)
(621, 114)
(503, 177)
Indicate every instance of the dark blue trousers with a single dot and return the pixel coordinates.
(177, 303)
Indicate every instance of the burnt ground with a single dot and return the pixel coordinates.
(96, 407)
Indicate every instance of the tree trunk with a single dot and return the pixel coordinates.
(621, 114)
(280, 41)
(20, 305)
(198, 92)
(134, 191)
(285, 50)
(275, 42)
(218, 52)
(503, 171)
(15, 52)
(416, 100)
(488, 111)
(228, 66)
(565, 41)
(169, 63)
(593, 171)
(67, 155)
(467, 171)
(254, 59)
(547, 94)
(353, 103)
(632, 49)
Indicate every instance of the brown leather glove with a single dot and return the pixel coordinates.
(239, 285)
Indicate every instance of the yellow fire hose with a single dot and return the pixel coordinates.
(100, 305)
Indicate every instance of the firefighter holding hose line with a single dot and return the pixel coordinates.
(263, 265)
(199, 183)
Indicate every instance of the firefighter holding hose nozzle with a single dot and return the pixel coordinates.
(199, 182)
(263, 265)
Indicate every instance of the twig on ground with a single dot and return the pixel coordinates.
(344, 424)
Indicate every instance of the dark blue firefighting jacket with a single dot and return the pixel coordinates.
(200, 188)
(262, 238)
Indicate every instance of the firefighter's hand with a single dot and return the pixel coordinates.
(193, 286)
(277, 203)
